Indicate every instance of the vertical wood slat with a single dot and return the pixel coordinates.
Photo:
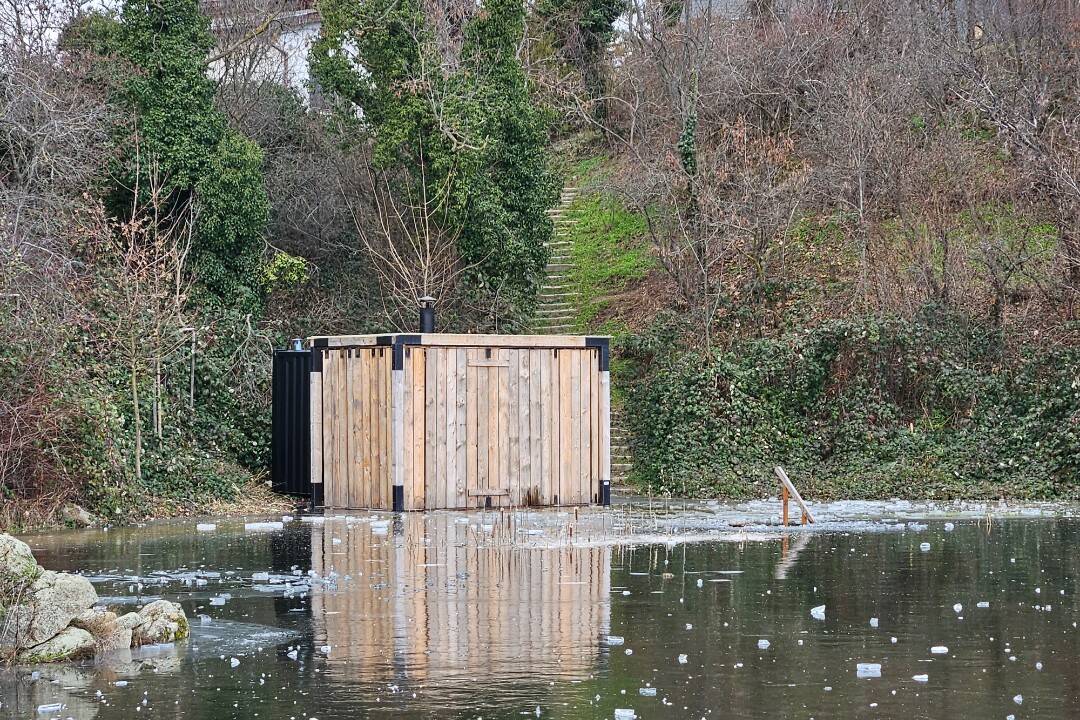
(460, 495)
(513, 429)
(536, 358)
(583, 426)
(419, 389)
(574, 486)
(524, 410)
(449, 455)
(430, 429)
(341, 431)
(566, 389)
(407, 432)
(504, 427)
(315, 398)
(355, 390)
(472, 459)
(483, 417)
(367, 467)
(386, 419)
(592, 491)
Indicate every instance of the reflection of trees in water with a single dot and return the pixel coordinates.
(426, 605)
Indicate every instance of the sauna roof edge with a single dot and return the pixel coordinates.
(459, 340)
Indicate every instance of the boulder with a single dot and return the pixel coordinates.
(70, 644)
(129, 620)
(106, 629)
(16, 563)
(49, 605)
(76, 515)
(162, 622)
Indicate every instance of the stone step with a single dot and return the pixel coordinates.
(557, 267)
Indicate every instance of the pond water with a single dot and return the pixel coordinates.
(416, 618)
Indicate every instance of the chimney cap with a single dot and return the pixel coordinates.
(427, 301)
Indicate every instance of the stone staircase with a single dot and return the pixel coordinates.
(557, 309)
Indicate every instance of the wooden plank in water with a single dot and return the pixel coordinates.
(573, 487)
(790, 487)
(354, 392)
(566, 448)
(504, 421)
(536, 444)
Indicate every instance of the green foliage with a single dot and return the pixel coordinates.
(871, 408)
(468, 145)
(284, 271)
(609, 250)
(181, 140)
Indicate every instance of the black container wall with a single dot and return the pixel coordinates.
(291, 448)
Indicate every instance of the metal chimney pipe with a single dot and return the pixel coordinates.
(427, 314)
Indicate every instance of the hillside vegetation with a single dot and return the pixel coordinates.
(838, 236)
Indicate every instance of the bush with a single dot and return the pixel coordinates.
(869, 408)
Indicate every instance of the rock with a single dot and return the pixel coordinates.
(162, 622)
(71, 644)
(96, 621)
(76, 515)
(130, 620)
(49, 605)
(109, 634)
(16, 562)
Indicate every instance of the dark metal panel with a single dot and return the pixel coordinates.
(291, 422)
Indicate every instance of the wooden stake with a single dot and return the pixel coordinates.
(784, 503)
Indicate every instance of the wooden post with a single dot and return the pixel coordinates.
(790, 488)
(784, 503)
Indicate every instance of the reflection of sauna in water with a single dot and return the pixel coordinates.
(427, 602)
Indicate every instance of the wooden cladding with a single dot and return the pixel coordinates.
(463, 427)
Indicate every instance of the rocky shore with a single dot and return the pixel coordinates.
(48, 616)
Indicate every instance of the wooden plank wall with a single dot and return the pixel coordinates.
(522, 423)
(356, 437)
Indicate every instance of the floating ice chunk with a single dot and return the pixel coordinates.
(263, 526)
(892, 640)
(939, 650)
(925, 547)
(313, 519)
(614, 640)
(873, 622)
(206, 527)
(1038, 666)
(325, 649)
(647, 691)
(689, 626)
(292, 654)
(982, 604)
(628, 651)
(958, 608)
(121, 683)
(868, 670)
(683, 659)
(763, 644)
(219, 600)
(920, 678)
(1018, 699)
(949, 527)
(700, 582)
(50, 708)
(286, 518)
(625, 714)
(233, 662)
(260, 576)
(818, 613)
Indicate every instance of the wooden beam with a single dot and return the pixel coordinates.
(790, 488)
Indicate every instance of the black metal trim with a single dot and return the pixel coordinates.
(320, 342)
(604, 345)
(316, 359)
(385, 339)
(317, 495)
(399, 498)
(605, 493)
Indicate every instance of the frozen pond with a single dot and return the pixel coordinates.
(935, 612)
